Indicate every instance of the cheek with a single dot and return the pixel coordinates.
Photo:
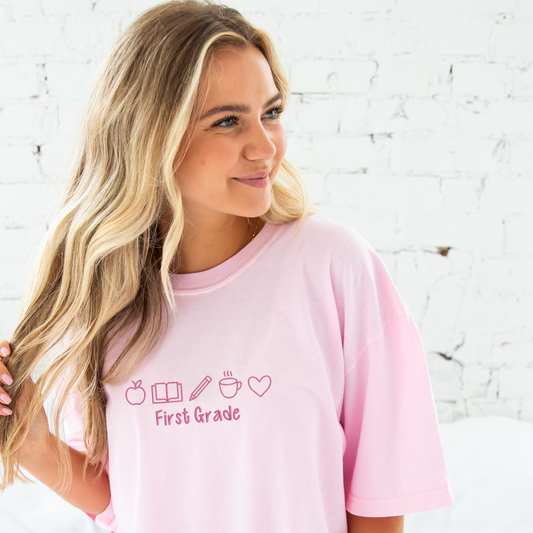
(281, 144)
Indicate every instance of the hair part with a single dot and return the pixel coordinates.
(103, 270)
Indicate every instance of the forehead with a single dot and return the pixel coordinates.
(237, 73)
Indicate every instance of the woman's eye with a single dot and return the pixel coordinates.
(277, 112)
(228, 122)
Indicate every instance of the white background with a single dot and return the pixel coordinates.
(411, 120)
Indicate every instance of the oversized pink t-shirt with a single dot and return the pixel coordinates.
(290, 386)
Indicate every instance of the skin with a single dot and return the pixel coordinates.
(217, 207)
(218, 210)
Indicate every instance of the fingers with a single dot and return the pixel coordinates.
(4, 400)
(5, 349)
(5, 377)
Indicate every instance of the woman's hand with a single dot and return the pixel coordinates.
(39, 431)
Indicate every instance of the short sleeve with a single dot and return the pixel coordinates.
(394, 461)
(73, 427)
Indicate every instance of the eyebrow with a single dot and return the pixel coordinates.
(238, 108)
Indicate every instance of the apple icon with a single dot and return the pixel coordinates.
(135, 395)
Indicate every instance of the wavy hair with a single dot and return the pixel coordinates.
(103, 269)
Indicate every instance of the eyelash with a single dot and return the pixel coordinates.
(278, 109)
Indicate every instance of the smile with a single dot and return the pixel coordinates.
(259, 183)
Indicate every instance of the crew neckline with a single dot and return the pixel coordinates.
(222, 273)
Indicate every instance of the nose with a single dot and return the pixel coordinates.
(260, 143)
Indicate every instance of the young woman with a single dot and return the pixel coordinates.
(225, 358)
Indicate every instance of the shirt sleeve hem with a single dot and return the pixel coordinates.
(400, 505)
(106, 518)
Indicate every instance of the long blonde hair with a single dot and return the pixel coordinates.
(104, 266)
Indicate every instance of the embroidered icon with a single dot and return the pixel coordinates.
(196, 392)
(229, 386)
(167, 392)
(135, 395)
(259, 386)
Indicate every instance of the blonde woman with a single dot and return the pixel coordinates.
(225, 358)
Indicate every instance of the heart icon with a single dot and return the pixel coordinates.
(259, 386)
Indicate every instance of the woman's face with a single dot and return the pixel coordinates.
(238, 135)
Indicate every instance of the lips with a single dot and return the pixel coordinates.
(259, 180)
(256, 175)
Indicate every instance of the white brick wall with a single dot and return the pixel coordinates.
(412, 121)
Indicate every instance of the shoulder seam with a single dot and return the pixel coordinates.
(384, 326)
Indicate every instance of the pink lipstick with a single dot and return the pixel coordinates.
(259, 180)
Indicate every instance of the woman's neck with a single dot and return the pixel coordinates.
(204, 246)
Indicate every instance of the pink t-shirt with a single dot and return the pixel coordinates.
(290, 386)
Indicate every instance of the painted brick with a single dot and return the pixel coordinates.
(328, 76)
(316, 183)
(319, 114)
(67, 79)
(482, 80)
(523, 81)
(477, 345)
(482, 407)
(511, 40)
(35, 36)
(426, 114)
(382, 115)
(82, 35)
(383, 38)
(18, 164)
(62, 7)
(474, 232)
(332, 37)
(511, 349)
(521, 158)
(506, 275)
(397, 77)
(443, 156)
(513, 195)
(32, 122)
(13, 275)
(516, 383)
(469, 37)
(9, 311)
(460, 195)
(56, 158)
(526, 411)
(518, 235)
(376, 123)
(337, 153)
(446, 379)
(29, 204)
(19, 81)
(400, 193)
(70, 114)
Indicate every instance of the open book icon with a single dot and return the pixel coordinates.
(167, 392)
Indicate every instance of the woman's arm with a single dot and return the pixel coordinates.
(38, 455)
(91, 496)
(363, 524)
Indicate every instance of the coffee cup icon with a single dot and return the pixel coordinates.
(229, 387)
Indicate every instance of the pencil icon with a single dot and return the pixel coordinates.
(196, 392)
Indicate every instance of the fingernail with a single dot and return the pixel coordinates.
(6, 411)
(5, 398)
(4, 351)
(7, 379)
